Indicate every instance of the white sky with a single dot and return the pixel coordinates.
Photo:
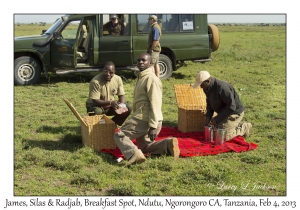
(193, 6)
(212, 18)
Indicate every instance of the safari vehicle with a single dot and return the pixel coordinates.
(79, 43)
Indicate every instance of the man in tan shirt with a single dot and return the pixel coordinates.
(103, 89)
(146, 120)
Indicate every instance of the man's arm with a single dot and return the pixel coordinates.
(102, 103)
(97, 98)
(105, 26)
(155, 99)
(155, 34)
(121, 91)
(227, 97)
(154, 43)
(121, 98)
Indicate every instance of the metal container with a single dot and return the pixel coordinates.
(208, 134)
(220, 136)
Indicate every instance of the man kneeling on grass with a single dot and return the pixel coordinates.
(222, 98)
(146, 120)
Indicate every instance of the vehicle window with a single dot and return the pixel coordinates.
(168, 22)
(186, 22)
(57, 23)
(116, 24)
(172, 23)
(126, 23)
(161, 20)
(70, 31)
(143, 23)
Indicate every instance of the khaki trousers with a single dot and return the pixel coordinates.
(138, 129)
(155, 57)
(233, 126)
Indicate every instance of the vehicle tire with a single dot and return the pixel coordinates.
(27, 71)
(165, 65)
(213, 29)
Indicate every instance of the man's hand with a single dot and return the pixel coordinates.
(152, 133)
(115, 104)
(213, 122)
(207, 121)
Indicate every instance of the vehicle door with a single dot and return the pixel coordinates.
(64, 45)
(116, 48)
(185, 37)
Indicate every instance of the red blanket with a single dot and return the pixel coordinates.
(192, 144)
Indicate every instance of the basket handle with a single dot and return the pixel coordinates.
(74, 111)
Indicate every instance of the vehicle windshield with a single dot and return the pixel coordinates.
(56, 24)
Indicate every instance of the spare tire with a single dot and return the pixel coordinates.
(215, 41)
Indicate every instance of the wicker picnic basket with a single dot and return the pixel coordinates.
(191, 104)
(95, 135)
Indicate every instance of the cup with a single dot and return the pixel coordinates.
(208, 134)
(220, 136)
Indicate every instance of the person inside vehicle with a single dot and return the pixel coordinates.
(173, 24)
(113, 26)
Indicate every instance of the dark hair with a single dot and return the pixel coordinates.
(109, 63)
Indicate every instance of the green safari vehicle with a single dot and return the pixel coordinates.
(80, 43)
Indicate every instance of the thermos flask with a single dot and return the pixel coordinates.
(208, 134)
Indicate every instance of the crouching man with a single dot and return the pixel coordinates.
(146, 120)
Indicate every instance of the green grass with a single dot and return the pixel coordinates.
(49, 158)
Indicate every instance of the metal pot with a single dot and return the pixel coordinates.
(208, 134)
(220, 136)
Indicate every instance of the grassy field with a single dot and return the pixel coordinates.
(49, 158)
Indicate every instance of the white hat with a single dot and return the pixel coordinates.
(201, 76)
(154, 17)
(114, 16)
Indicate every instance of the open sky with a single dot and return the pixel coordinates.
(212, 18)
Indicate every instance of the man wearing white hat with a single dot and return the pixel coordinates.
(222, 98)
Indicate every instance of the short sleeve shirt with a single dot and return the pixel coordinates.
(155, 34)
(101, 89)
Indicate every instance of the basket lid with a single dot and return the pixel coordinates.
(74, 111)
(190, 98)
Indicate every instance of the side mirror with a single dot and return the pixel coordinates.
(43, 31)
(56, 35)
(64, 18)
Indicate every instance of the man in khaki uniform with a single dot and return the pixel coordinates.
(224, 100)
(102, 91)
(153, 43)
(146, 120)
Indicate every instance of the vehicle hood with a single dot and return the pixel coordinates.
(32, 37)
(26, 42)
